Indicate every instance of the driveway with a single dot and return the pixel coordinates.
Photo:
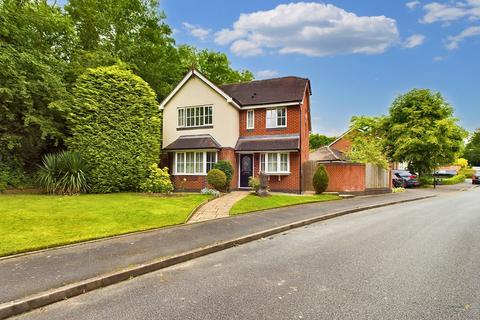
(418, 260)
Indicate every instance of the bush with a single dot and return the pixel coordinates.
(158, 181)
(463, 163)
(115, 126)
(398, 190)
(425, 180)
(12, 173)
(320, 180)
(454, 180)
(63, 173)
(217, 179)
(227, 168)
(212, 192)
(254, 183)
(467, 172)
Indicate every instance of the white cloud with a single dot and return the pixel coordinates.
(449, 12)
(453, 41)
(264, 74)
(311, 29)
(196, 31)
(412, 4)
(438, 58)
(414, 41)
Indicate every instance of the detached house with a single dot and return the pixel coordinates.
(258, 126)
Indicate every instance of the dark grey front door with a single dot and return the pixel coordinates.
(246, 169)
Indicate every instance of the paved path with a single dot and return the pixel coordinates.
(412, 261)
(218, 208)
(34, 273)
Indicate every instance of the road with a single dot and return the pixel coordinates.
(419, 260)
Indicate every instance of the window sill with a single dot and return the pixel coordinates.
(189, 174)
(276, 128)
(277, 173)
(194, 128)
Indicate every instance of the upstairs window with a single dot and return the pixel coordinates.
(250, 119)
(198, 116)
(277, 118)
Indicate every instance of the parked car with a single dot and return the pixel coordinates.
(398, 182)
(476, 177)
(410, 179)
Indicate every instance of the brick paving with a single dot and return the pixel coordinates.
(218, 208)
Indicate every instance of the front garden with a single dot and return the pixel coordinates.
(253, 202)
(30, 222)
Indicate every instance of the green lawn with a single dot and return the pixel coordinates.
(29, 222)
(254, 203)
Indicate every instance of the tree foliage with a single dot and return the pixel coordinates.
(320, 140)
(472, 149)
(214, 65)
(367, 143)
(35, 41)
(422, 131)
(115, 126)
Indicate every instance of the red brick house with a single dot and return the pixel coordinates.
(258, 125)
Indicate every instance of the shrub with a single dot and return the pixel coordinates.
(398, 190)
(12, 173)
(115, 126)
(467, 172)
(320, 180)
(254, 183)
(63, 173)
(425, 180)
(212, 192)
(454, 180)
(227, 168)
(158, 181)
(217, 179)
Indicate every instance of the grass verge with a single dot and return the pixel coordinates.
(32, 222)
(254, 203)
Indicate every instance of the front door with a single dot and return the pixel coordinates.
(246, 169)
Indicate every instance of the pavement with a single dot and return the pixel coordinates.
(33, 274)
(218, 208)
(417, 260)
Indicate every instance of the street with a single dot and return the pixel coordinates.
(419, 260)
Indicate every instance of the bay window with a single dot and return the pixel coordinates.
(275, 163)
(197, 116)
(194, 162)
(276, 118)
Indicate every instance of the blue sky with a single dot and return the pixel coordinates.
(359, 55)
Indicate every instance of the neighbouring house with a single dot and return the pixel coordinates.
(262, 125)
(346, 176)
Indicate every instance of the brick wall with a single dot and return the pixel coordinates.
(288, 183)
(346, 177)
(189, 183)
(229, 154)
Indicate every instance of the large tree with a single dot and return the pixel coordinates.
(319, 140)
(35, 44)
(472, 149)
(214, 65)
(422, 131)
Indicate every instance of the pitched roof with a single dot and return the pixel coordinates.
(327, 154)
(203, 141)
(278, 90)
(268, 143)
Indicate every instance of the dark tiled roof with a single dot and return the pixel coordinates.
(204, 141)
(268, 143)
(327, 154)
(287, 89)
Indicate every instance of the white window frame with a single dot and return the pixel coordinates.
(275, 110)
(264, 157)
(252, 115)
(203, 171)
(198, 116)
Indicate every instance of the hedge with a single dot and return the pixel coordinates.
(454, 180)
(115, 125)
